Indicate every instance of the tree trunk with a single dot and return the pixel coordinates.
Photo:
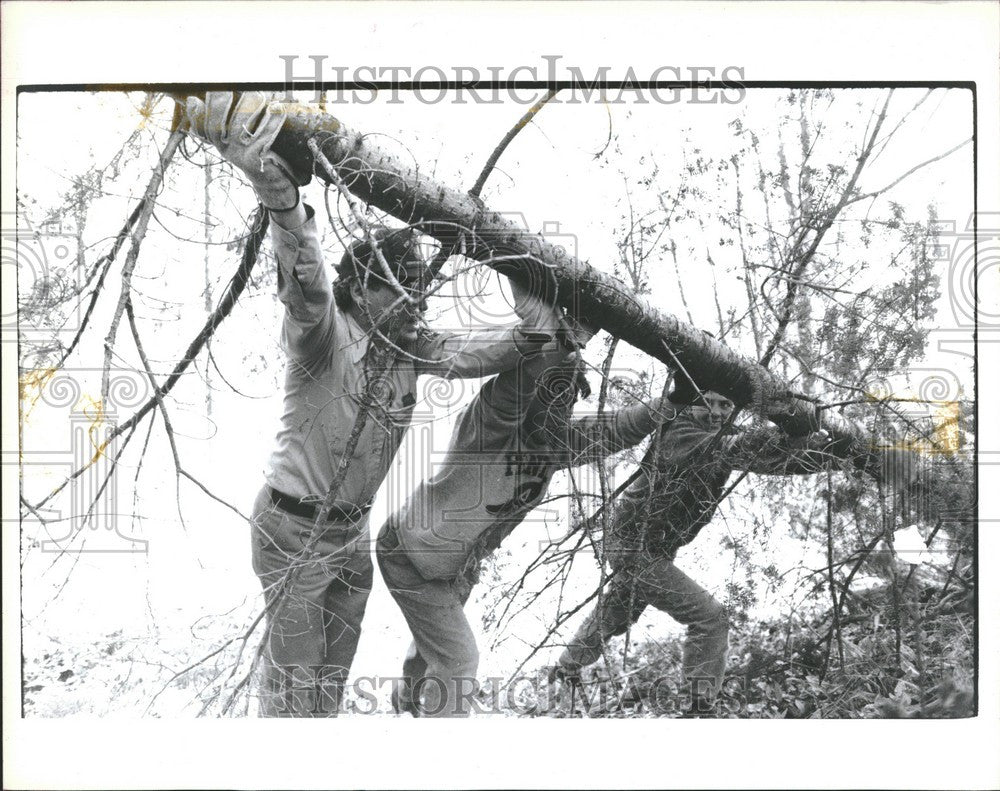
(393, 185)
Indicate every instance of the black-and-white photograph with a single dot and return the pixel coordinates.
(522, 392)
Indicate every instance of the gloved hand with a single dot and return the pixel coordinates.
(816, 441)
(244, 139)
(537, 317)
(575, 332)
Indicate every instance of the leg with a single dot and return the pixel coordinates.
(668, 588)
(414, 670)
(441, 632)
(620, 607)
(313, 626)
(414, 665)
(346, 600)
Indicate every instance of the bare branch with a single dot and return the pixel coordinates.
(910, 172)
(104, 264)
(233, 291)
(477, 188)
(138, 234)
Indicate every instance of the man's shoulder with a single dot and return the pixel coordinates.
(489, 411)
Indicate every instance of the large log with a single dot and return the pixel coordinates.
(393, 185)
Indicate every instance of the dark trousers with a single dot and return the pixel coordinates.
(313, 627)
(658, 582)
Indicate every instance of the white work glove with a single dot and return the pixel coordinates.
(244, 139)
(537, 317)
(541, 317)
(576, 333)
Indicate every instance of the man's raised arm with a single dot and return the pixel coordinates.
(592, 437)
(469, 355)
(243, 136)
(303, 285)
(769, 451)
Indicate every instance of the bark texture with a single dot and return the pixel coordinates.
(410, 194)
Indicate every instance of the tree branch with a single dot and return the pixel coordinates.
(233, 291)
(507, 138)
(409, 194)
(910, 172)
(138, 234)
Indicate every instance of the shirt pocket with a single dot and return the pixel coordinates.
(396, 394)
(290, 290)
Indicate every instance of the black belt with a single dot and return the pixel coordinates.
(294, 506)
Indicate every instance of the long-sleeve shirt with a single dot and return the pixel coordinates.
(505, 448)
(325, 376)
(685, 472)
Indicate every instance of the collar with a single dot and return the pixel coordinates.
(357, 339)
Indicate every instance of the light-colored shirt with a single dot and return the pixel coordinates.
(505, 448)
(325, 376)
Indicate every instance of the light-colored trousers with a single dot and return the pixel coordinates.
(313, 628)
(440, 666)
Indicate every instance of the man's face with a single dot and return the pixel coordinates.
(378, 299)
(716, 410)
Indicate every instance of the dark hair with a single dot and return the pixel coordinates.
(399, 248)
(342, 295)
(684, 392)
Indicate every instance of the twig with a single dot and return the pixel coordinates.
(602, 469)
(449, 249)
(387, 272)
(826, 218)
(104, 264)
(507, 138)
(910, 172)
(234, 289)
(161, 405)
(138, 234)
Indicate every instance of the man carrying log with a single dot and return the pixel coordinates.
(505, 448)
(316, 595)
(682, 479)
